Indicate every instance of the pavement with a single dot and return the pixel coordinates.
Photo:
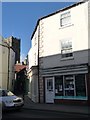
(28, 104)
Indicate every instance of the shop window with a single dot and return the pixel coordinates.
(80, 85)
(59, 86)
(69, 85)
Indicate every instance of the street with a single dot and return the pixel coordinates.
(27, 113)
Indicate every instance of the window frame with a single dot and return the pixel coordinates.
(67, 80)
(73, 79)
(63, 17)
(49, 84)
(66, 54)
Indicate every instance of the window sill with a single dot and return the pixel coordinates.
(68, 58)
(71, 97)
(69, 25)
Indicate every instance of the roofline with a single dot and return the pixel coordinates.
(63, 9)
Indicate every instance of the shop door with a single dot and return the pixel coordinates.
(49, 89)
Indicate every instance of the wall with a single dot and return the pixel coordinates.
(32, 71)
(4, 66)
(0, 61)
(4, 60)
(33, 84)
(33, 52)
(80, 57)
(11, 69)
(88, 83)
(32, 59)
(52, 33)
(89, 32)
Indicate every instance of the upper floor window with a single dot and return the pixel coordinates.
(66, 48)
(65, 19)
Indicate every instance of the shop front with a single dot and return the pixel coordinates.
(67, 88)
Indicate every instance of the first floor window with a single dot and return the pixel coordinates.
(66, 48)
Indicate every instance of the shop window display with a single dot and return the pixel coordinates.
(72, 86)
(59, 85)
(80, 85)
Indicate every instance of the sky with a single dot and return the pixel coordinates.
(19, 19)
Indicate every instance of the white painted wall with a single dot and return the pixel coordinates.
(0, 62)
(33, 61)
(33, 52)
(89, 31)
(51, 34)
(78, 31)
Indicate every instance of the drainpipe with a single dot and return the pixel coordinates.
(38, 60)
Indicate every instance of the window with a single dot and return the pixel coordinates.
(65, 19)
(72, 86)
(49, 84)
(66, 48)
(59, 86)
(69, 85)
(80, 85)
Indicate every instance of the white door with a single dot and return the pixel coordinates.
(49, 89)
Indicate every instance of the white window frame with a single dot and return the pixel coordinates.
(66, 48)
(64, 18)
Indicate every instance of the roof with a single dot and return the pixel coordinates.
(63, 9)
(19, 67)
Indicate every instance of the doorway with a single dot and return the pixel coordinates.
(49, 90)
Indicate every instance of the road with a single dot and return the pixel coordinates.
(27, 113)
